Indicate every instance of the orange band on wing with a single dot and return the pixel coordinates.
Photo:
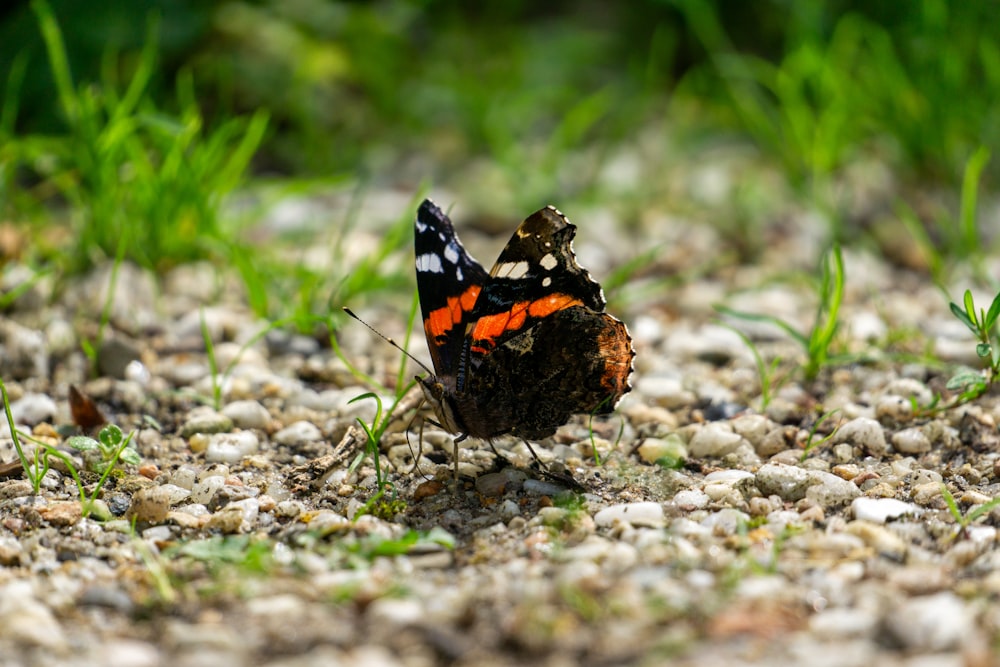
(440, 321)
(491, 327)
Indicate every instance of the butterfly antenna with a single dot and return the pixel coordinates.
(388, 340)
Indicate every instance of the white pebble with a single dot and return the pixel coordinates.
(231, 447)
(865, 433)
(879, 510)
(936, 622)
(911, 441)
(713, 440)
(247, 414)
(637, 514)
(298, 433)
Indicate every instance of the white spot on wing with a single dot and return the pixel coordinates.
(546, 282)
(512, 270)
(548, 262)
(421, 227)
(458, 273)
(451, 252)
(429, 263)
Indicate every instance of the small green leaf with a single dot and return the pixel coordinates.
(993, 313)
(984, 350)
(82, 443)
(129, 455)
(970, 308)
(960, 314)
(966, 379)
(110, 436)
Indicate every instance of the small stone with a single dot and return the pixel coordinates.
(236, 517)
(204, 419)
(880, 510)
(114, 356)
(427, 489)
(911, 441)
(937, 622)
(828, 489)
(669, 449)
(149, 471)
(884, 542)
(893, 409)
(231, 447)
(926, 493)
(204, 490)
(33, 409)
(63, 513)
(753, 428)
(713, 440)
(540, 487)
(248, 414)
(637, 514)
(150, 505)
(496, 484)
(785, 481)
(864, 433)
(10, 551)
(844, 623)
(298, 433)
(691, 499)
(25, 620)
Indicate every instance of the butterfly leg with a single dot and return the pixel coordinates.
(560, 477)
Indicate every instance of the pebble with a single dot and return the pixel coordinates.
(231, 447)
(541, 487)
(33, 409)
(298, 433)
(911, 441)
(23, 351)
(785, 481)
(884, 542)
(62, 513)
(864, 433)
(880, 510)
(236, 517)
(830, 490)
(204, 419)
(150, 505)
(204, 490)
(937, 622)
(713, 440)
(670, 450)
(636, 514)
(247, 414)
(690, 499)
(27, 620)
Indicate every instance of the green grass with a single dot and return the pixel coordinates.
(817, 342)
(135, 181)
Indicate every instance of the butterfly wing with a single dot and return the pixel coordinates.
(535, 276)
(449, 282)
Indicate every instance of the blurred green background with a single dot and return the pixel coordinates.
(158, 110)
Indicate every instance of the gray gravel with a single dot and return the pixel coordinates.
(705, 532)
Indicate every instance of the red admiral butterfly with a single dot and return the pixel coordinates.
(520, 349)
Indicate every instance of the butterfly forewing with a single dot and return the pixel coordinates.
(449, 282)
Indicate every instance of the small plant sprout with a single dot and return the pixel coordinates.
(765, 371)
(816, 343)
(110, 447)
(967, 519)
(811, 442)
(983, 325)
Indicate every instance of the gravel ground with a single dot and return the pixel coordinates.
(706, 532)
